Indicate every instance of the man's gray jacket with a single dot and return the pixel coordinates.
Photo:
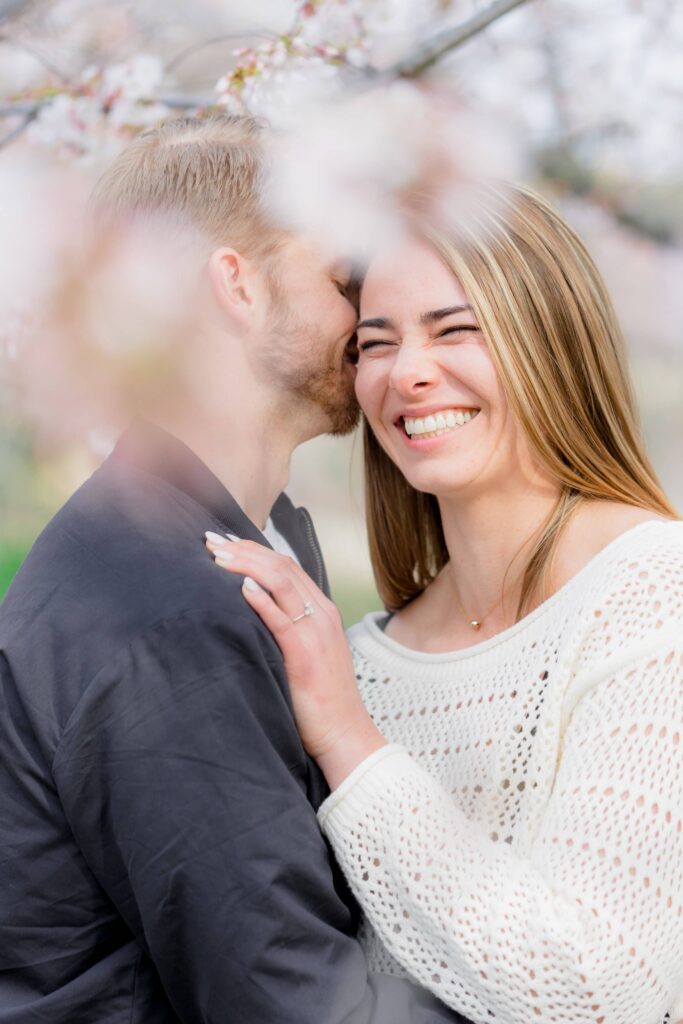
(160, 857)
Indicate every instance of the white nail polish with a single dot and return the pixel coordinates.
(215, 538)
(223, 557)
(231, 536)
(250, 584)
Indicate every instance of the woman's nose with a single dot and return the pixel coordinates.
(413, 370)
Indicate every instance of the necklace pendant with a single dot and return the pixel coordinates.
(475, 624)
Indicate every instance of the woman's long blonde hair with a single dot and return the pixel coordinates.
(557, 346)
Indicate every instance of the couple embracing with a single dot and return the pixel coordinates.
(215, 806)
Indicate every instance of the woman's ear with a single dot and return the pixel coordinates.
(233, 283)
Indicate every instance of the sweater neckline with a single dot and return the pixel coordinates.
(370, 622)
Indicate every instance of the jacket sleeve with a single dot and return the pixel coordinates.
(184, 782)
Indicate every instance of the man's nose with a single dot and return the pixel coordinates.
(413, 370)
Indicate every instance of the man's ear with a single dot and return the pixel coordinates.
(233, 283)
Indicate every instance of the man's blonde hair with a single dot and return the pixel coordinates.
(206, 173)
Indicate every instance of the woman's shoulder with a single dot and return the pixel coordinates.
(609, 536)
(618, 572)
(632, 594)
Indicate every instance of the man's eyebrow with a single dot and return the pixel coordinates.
(380, 323)
(439, 314)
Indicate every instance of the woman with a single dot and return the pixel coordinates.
(507, 797)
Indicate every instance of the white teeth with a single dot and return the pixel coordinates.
(439, 423)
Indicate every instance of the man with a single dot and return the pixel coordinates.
(161, 857)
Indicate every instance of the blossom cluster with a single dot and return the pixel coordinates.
(274, 77)
(327, 42)
(94, 115)
(103, 106)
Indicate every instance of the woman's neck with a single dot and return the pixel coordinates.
(489, 540)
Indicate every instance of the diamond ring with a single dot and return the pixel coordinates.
(308, 610)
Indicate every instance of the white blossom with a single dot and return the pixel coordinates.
(68, 121)
(137, 79)
(285, 96)
(112, 324)
(88, 121)
(339, 175)
(334, 22)
(140, 290)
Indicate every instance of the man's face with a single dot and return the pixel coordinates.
(310, 324)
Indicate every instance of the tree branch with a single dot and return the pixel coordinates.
(14, 107)
(420, 61)
(10, 8)
(5, 140)
(411, 67)
(197, 47)
(19, 44)
(187, 102)
(32, 107)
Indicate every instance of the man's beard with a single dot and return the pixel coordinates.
(295, 359)
(330, 388)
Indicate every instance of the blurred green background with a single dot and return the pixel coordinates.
(11, 557)
(326, 477)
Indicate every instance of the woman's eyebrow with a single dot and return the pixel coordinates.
(383, 323)
(439, 314)
(378, 322)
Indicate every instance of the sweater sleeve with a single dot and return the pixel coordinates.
(586, 927)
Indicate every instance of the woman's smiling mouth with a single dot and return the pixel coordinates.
(446, 421)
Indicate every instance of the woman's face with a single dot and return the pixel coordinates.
(426, 380)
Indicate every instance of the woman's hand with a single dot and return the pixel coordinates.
(333, 723)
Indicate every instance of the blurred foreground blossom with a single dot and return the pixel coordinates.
(106, 334)
(96, 330)
(344, 172)
(41, 209)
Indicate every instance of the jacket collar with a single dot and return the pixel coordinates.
(149, 448)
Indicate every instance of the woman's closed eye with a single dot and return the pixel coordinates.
(459, 329)
(365, 346)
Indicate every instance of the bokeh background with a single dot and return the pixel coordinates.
(583, 101)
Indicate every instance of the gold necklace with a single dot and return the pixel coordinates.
(477, 623)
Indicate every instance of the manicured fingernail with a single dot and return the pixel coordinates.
(215, 538)
(223, 558)
(231, 536)
(250, 584)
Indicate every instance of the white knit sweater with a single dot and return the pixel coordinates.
(518, 847)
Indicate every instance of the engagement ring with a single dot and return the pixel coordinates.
(308, 610)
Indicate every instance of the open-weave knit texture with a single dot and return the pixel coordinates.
(517, 848)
